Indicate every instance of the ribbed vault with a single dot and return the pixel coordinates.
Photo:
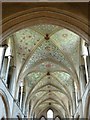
(49, 67)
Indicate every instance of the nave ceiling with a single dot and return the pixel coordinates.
(49, 65)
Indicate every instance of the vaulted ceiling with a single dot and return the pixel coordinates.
(48, 57)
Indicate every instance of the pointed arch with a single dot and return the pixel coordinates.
(6, 103)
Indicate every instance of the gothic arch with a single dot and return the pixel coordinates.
(52, 108)
(6, 103)
(57, 116)
(49, 15)
(42, 117)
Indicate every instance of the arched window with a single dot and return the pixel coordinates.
(50, 113)
(57, 118)
(42, 118)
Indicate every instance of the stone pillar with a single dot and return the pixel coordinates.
(79, 95)
(9, 54)
(88, 48)
(13, 84)
(30, 113)
(74, 98)
(82, 79)
(21, 85)
(2, 55)
(8, 66)
(86, 70)
(17, 91)
(80, 104)
(27, 112)
(84, 54)
(76, 95)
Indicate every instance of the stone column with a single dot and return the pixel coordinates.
(88, 48)
(31, 110)
(21, 94)
(80, 104)
(86, 70)
(74, 101)
(76, 95)
(84, 55)
(79, 95)
(27, 112)
(82, 79)
(13, 84)
(2, 55)
(17, 91)
(74, 98)
(8, 66)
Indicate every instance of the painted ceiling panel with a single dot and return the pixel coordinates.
(48, 50)
(47, 66)
(33, 78)
(68, 42)
(26, 40)
(64, 78)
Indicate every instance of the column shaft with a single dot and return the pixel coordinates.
(86, 70)
(13, 86)
(73, 98)
(82, 79)
(2, 55)
(7, 71)
(88, 47)
(74, 101)
(21, 96)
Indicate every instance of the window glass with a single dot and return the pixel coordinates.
(49, 113)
